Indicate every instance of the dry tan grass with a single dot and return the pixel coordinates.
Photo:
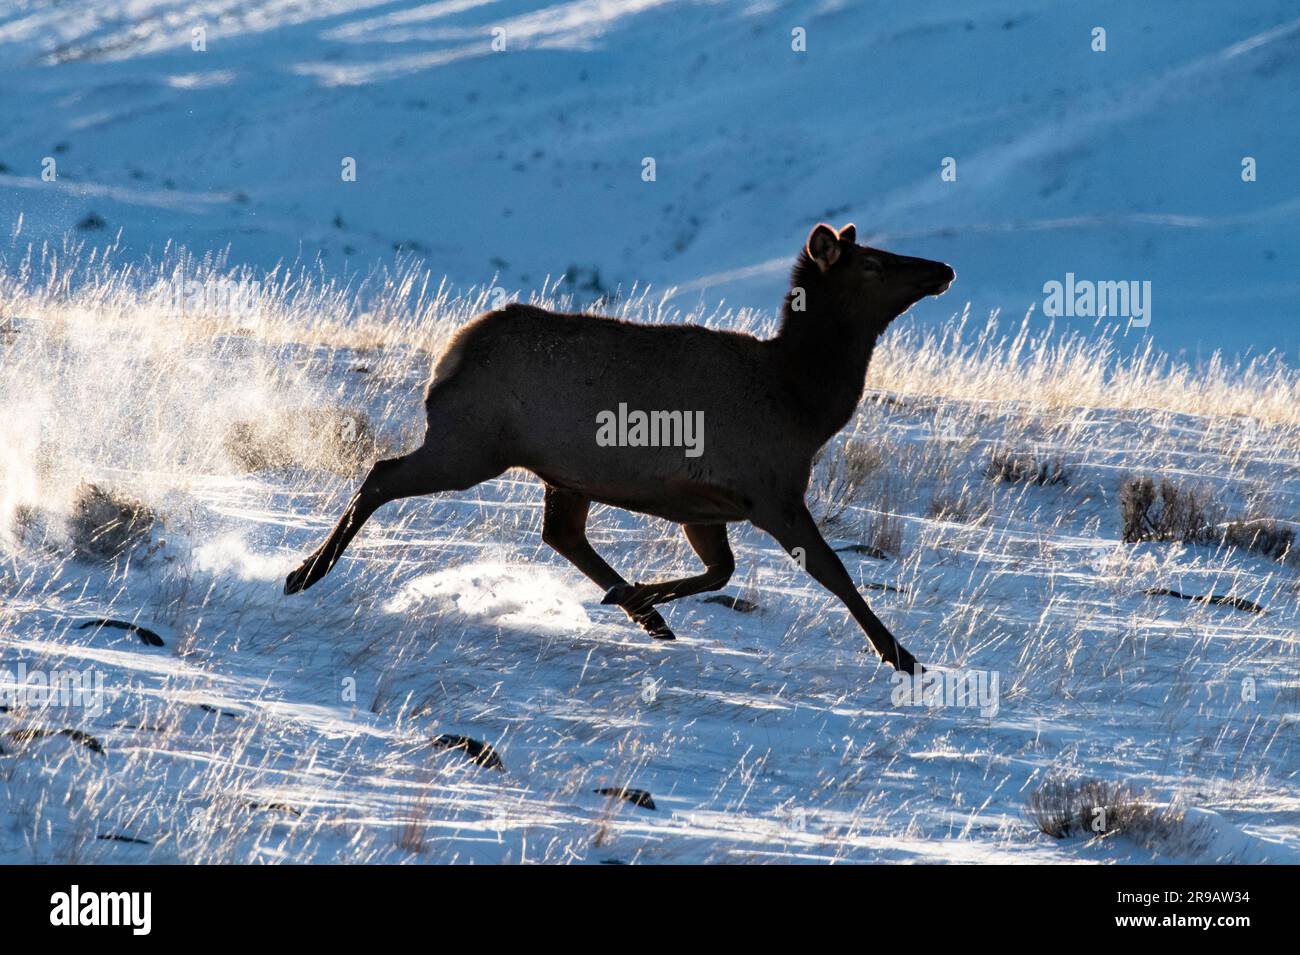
(843, 473)
(404, 306)
(1070, 369)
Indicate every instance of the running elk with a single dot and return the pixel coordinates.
(526, 388)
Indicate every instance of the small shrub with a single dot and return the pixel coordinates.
(339, 440)
(1094, 808)
(343, 438)
(1023, 467)
(106, 524)
(1260, 536)
(1170, 513)
(1167, 513)
(251, 445)
(26, 523)
(855, 473)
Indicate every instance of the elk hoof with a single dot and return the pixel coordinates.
(310, 571)
(648, 619)
(658, 629)
(660, 632)
(653, 623)
(906, 662)
(296, 582)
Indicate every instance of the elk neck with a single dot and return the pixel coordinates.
(824, 350)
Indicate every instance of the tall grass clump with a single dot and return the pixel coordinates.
(1078, 368)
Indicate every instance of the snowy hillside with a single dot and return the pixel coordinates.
(275, 729)
(512, 164)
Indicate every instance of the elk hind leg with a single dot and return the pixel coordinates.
(423, 471)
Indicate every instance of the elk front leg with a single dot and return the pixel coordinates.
(797, 532)
(709, 541)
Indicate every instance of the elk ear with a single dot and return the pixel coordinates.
(849, 233)
(823, 246)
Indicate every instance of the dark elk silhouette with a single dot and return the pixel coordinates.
(523, 387)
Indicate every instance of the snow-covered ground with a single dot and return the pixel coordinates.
(277, 729)
(527, 161)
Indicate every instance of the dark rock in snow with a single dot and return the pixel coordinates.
(637, 797)
(738, 604)
(118, 837)
(147, 636)
(866, 549)
(212, 709)
(479, 753)
(1238, 603)
(37, 732)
